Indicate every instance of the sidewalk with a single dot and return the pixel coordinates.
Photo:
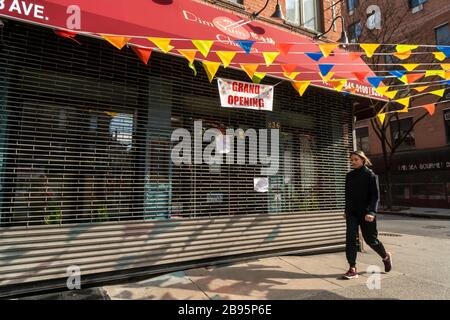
(435, 213)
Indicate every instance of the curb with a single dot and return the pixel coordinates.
(419, 215)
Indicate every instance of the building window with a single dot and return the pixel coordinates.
(362, 139)
(304, 13)
(399, 129)
(443, 35)
(354, 32)
(416, 3)
(352, 4)
(447, 124)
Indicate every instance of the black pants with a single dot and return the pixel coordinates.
(369, 232)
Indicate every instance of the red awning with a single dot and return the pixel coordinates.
(183, 20)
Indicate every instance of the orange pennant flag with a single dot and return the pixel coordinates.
(270, 57)
(439, 93)
(445, 66)
(226, 57)
(430, 108)
(301, 86)
(420, 89)
(338, 84)
(189, 54)
(369, 48)
(412, 77)
(288, 68)
(403, 55)
(210, 68)
(291, 75)
(284, 48)
(203, 46)
(327, 48)
(439, 55)
(143, 53)
(354, 55)
(118, 42)
(162, 43)
(250, 69)
(67, 34)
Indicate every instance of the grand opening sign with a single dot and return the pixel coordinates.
(238, 94)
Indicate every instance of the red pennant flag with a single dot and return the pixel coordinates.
(284, 47)
(430, 108)
(361, 76)
(354, 55)
(288, 68)
(67, 34)
(143, 53)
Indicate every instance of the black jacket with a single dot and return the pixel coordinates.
(361, 191)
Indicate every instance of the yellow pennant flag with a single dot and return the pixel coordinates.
(250, 69)
(203, 46)
(118, 42)
(270, 57)
(211, 69)
(382, 90)
(258, 76)
(301, 86)
(440, 73)
(410, 66)
(192, 66)
(439, 93)
(403, 55)
(291, 75)
(445, 66)
(405, 109)
(420, 89)
(189, 54)
(162, 43)
(327, 48)
(439, 55)
(226, 57)
(391, 94)
(327, 77)
(369, 48)
(381, 117)
(402, 48)
(338, 84)
(404, 101)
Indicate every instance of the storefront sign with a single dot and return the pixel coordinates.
(237, 94)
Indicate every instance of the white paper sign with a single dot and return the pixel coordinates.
(261, 184)
(246, 95)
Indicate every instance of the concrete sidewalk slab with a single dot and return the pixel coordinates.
(436, 213)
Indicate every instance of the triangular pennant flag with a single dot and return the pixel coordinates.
(439, 93)
(412, 77)
(375, 81)
(270, 57)
(162, 43)
(211, 68)
(226, 57)
(361, 76)
(345, 93)
(354, 55)
(325, 68)
(440, 73)
(447, 82)
(430, 108)
(327, 77)
(316, 56)
(118, 42)
(439, 56)
(402, 48)
(250, 69)
(258, 76)
(397, 73)
(301, 86)
(420, 89)
(245, 44)
(284, 48)
(410, 66)
(143, 53)
(390, 94)
(67, 34)
(369, 48)
(338, 84)
(203, 46)
(405, 109)
(288, 68)
(445, 66)
(447, 75)
(382, 90)
(327, 48)
(381, 117)
(403, 101)
(445, 50)
(192, 66)
(403, 55)
(291, 75)
(189, 54)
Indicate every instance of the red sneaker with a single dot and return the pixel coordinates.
(351, 274)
